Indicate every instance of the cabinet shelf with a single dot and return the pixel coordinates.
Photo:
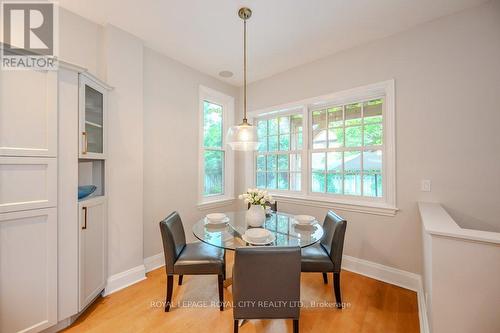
(92, 124)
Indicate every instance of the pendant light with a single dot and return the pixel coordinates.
(243, 137)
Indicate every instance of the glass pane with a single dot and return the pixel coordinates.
(214, 169)
(319, 139)
(353, 136)
(319, 120)
(373, 134)
(94, 120)
(334, 162)
(283, 162)
(285, 142)
(272, 126)
(284, 125)
(336, 137)
(318, 182)
(261, 128)
(352, 161)
(372, 185)
(261, 179)
(295, 181)
(212, 125)
(318, 162)
(335, 117)
(352, 184)
(295, 160)
(271, 180)
(296, 123)
(372, 161)
(334, 183)
(272, 143)
(263, 144)
(283, 180)
(261, 163)
(296, 143)
(271, 162)
(372, 111)
(353, 114)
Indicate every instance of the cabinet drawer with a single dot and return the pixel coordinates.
(27, 183)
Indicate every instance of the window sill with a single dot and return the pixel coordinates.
(375, 208)
(219, 202)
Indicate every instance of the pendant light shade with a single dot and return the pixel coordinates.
(243, 137)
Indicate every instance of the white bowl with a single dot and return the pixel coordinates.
(257, 235)
(304, 219)
(216, 216)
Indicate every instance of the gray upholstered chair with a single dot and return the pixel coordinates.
(188, 259)
(270, 275)
(327, 255)
(273, 205)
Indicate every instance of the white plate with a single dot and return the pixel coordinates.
(216, 216)
(304, 219)
(215, 222)
(294, 221)
(271, 239)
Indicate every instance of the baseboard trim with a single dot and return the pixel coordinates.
(154, 262)
(125, 279)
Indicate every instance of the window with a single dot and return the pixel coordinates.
(216, 162)
(335, 150)
(347, 149)
(278, 162)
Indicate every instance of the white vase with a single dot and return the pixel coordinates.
(256, 216)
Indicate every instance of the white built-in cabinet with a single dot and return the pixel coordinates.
(53, 247)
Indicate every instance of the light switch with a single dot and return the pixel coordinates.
(425, 185)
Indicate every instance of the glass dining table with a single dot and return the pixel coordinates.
(285, 230)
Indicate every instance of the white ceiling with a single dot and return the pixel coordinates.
(207, 34)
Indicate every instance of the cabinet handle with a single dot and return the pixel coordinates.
(84, 218)
(85, 142)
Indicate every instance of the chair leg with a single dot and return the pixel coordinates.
(180, 279)
(236, 326)
(225, 265)
(325, 278)
(295, 326)
(336, 288)
(170, 288)
(221, 292)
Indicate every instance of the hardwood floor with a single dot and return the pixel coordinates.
(371, 306)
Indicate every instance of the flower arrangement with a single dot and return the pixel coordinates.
(256, 197)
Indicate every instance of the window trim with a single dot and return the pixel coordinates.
(227, 103)
(379, 206)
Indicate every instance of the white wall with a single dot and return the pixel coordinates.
(124, 71)
(447, 75)
(171, 143)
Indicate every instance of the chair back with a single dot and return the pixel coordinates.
(174, 239)
(274, 205)
(266, 276)
(334, 228)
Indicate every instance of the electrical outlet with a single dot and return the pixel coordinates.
(425, 185)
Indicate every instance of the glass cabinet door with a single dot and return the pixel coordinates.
(94, 108)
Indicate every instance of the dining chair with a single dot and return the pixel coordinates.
(263, 277)
(326, 256)
(188, 259)
(274, 205)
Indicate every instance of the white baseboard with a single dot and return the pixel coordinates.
(383, 273)
(154, 262)
(124, 279)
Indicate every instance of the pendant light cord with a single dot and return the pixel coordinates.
(245, 71)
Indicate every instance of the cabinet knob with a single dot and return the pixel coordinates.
(84, 218)
(85, 142)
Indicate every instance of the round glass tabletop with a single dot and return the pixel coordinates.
(282, 226)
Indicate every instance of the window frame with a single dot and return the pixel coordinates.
(385, 205)
(227, 103)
